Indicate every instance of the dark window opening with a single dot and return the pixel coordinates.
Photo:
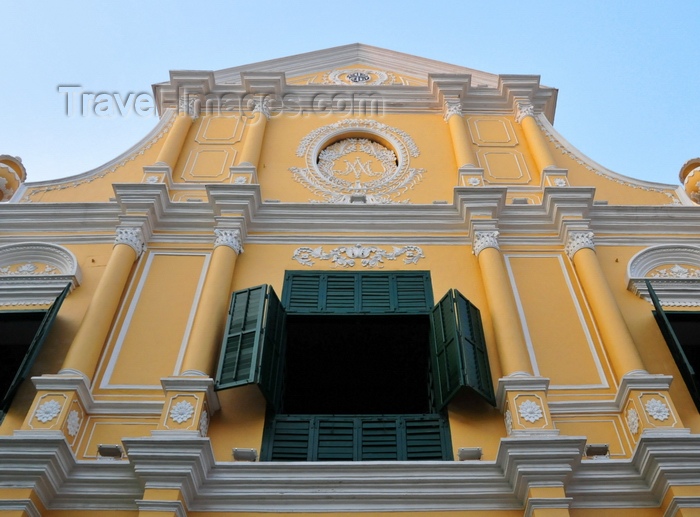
(348, 365)
(686, 326)
(17, 330)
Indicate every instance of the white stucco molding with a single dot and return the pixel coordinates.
(35, 273)
(672, 270)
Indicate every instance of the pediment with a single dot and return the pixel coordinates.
(333, 65)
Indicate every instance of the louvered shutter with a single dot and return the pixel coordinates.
(458, 351)
(684, 366)
(477, 370)
(33, 350)
(377, 292)
(252, 351)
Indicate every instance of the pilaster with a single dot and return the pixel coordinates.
(208, 326)
(525, 116)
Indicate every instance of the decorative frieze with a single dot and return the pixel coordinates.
(369, 256)
(578, 241)
(483, 240)
(230, 238)
(131, 236)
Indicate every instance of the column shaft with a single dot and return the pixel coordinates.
(510, 340)
(253, 140)
(460, 141)
(85, 351)
(172, 147)
(535, 139)
(210, 318)
(611, 325)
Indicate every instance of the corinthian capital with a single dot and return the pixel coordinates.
(523, 109)
(131, 236)
(262, 105)
(230, 238)
(483, 240)
(189, 104)
(578, 241)
(451, 107)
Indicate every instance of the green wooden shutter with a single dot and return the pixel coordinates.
(302, 292)
(356, 438)
(274, 338)
(253, 342)
(33, 350)
(336, 439)
(477, 369)
(376, 292)
(684, 366)
(427, 439)
(444, 351)
(379, 439)
(458, 351)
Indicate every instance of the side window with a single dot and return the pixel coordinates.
(680, 330)
(22, 334)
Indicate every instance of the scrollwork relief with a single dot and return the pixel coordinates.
(369, 256)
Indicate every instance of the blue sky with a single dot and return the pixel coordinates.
(627, 72)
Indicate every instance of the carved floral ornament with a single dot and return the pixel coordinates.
(371, 166)
(657, 409)
(182, 411)
(369, 256)
(48, 411)
(633, 420)
(673, 272)
(530, 411)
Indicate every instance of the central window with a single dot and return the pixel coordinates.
(347, 365)
(355, 366)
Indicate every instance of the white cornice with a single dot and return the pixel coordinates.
(43, 461)
(545, 224)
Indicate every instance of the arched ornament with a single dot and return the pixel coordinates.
(35, 273)
(381, 176)
(672, 270)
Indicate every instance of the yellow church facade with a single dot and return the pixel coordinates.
(348, 282)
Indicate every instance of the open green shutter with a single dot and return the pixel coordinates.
(274, 338)
(684, 366)
(253, 342)
(477, 369)
(34, 348)
(444, 351)
(458, 351)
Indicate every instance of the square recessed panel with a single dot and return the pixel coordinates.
(220, 130)
(494, 132)
(208, 165)
(504, 166)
